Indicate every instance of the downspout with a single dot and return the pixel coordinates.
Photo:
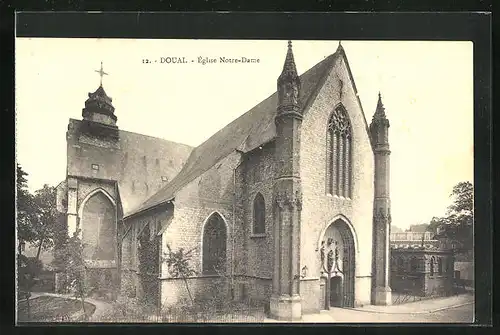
(234, 224)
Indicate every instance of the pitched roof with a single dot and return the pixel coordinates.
(137, 163)
(251, 130)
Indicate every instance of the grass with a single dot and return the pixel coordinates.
(51, 309)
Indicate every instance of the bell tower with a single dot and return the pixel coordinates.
(99, 117)
(379, 129)
(285, 299)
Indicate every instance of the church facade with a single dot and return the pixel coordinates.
(290, 201)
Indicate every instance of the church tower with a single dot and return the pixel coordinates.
(379, 129)
(99, 117)
(285, 299)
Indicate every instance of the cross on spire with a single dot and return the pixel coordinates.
(101, 73)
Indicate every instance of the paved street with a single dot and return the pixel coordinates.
(461, 314)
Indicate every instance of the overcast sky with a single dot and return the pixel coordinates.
(427, 89)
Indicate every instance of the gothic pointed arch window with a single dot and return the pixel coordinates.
(98, 222)
(259, 214)
(214, 245)
(339, 154)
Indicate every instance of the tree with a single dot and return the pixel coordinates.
(46, 218)
(463, 200)
(75, 268)
(36, 214)
(27, 271)
(26, 209)
(457, 225)
(178, 264)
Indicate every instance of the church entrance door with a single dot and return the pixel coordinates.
(336, 291)
(338, 264)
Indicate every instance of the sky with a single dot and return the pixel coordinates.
(426, 87)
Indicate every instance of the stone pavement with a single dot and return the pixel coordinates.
(420, 311)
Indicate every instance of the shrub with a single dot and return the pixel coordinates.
(126, 309)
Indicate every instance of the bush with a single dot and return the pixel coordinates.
(126, 309)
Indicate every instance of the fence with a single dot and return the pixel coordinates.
(245, 314)
(407, 296)
(198, 313)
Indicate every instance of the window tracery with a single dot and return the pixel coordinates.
(339, 154)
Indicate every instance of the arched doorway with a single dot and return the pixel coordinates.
(214, 245)
(338, 264)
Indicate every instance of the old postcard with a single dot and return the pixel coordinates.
(257, 181)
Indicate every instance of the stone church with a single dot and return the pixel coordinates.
(290, 201)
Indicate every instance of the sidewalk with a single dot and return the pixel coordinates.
(376, 313)
(421, 307)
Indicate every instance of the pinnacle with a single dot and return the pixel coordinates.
(289, 68)
(380, 111)
(340, 47)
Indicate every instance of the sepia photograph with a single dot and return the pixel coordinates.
(244, 181)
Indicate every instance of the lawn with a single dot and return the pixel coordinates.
(51, 309)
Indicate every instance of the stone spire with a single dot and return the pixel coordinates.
(380, 110)
(289, 72)
(379, 125)
(288, 85)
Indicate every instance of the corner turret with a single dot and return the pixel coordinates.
(289, 86)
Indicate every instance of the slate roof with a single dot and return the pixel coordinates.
(251, 130)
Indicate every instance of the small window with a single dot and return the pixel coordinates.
(164, 178)
(259, 215)
(95, 167)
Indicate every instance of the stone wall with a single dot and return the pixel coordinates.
(259, 178)
(140, 164)
(210, 193)
(420, 280)
(321, 209)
